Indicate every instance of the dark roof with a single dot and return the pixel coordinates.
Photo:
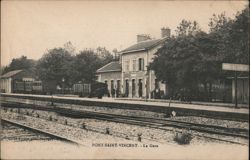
(110, 67)
(141, 46)
(11, 74)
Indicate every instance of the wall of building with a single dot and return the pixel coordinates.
(108, 77)
(132, 74)
(5, 85)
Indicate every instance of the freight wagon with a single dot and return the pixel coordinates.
(30, 87)
(95, 89)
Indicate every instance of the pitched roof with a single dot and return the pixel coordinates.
(144, 45)
(110, 67)
(11, 73)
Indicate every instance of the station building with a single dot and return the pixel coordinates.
(130, 75)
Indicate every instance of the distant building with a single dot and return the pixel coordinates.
(7, 80)
(131, 75)
(111, 75)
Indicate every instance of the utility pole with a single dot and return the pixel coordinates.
(63, 84)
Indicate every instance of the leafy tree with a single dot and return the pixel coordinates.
(56, 65)
(219, 22)
(104, 55)
(176, 62)
(231, 37)
(194, 57)
(187, 28)
(238, 46)
(68, 46)
(2, 68)
(22, 63)
(86, 63)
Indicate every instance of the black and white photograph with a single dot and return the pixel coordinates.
(137, 79)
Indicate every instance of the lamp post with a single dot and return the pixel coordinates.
(147, 83)
(63, 80)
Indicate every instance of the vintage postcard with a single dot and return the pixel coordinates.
(124, 79)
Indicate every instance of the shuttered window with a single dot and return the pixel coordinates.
(141, 64)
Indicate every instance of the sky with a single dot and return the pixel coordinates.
(29, 28)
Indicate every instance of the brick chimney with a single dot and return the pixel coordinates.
(165, 32)
(142, 37)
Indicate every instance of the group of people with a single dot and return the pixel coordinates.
(115, 93)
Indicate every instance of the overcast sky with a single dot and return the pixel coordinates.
(30, 27)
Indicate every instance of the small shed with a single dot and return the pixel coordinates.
(7, 80)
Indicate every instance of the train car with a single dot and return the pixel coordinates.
(31, 87)
(82, 89)
(37, 87)
(22, 87)
(18, 87)
(96, 89)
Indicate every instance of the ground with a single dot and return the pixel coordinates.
(60, 150)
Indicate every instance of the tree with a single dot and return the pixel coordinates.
(56, 65)
(186, 28)
(219, 22)
(238, 46)
(194, 57)
(68, 46)
(22, 63)
(86, 63)
(174, 63)
(231, 36)
(104, 55)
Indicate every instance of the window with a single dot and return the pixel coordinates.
(118, 85)
(126, 65)
(141, 64)
(134, 65)
(112, 84)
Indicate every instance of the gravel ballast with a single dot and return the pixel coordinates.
(97, 128)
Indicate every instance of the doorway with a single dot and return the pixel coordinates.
(133, 87)
(140, 87)
(126, 88)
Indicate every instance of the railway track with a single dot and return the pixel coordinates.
(38, 131)
(141, 121)
(157, 123)
(13, 132)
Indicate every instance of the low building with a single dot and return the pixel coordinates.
(111, 75)
(7, 80)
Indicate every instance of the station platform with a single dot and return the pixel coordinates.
(206, 109)
(223, 107)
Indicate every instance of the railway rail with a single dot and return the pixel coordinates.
(233, 115)
(141, 121)
(157, 123)
(39, 131)
(13, 132)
